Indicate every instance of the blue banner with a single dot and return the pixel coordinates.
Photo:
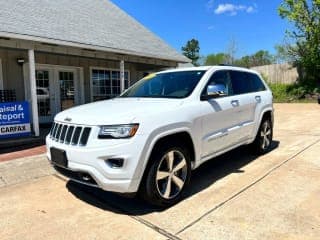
(14, 119)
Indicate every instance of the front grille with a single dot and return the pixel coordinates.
(70, 134)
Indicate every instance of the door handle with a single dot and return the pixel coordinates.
(258, 99)
(235, 103)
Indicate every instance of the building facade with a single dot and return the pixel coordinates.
(59, 54)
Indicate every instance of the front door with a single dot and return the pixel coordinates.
(56, 91)
(45, 94)
(67, 87)
(220, 128)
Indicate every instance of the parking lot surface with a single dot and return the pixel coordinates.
(235, 196)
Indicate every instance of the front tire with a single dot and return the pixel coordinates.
(167, 176)
(263, 140)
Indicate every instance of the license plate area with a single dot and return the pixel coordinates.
(59, 157)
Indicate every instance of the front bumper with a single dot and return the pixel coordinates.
(92, 160)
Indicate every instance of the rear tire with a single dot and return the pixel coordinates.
(167, 175)
(263, 140)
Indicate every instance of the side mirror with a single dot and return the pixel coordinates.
(214, 91)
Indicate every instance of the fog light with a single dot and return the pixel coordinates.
(115, 162)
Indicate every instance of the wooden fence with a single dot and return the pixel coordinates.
(278, 73)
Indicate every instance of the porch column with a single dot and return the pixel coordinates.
(33, 92)
(122, 85)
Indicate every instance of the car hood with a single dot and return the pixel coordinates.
(117, 111)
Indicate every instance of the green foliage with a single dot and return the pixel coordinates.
(305, 15)
(257, 59)
(215, 59)
(280, 92)
(260, 58)
(191, 50)
(284, 54)
(292, 92)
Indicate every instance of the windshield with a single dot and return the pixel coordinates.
(165, 85)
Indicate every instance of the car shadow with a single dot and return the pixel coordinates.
(203, 177)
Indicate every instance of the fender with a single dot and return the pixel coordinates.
(267, 108)
(153, 139)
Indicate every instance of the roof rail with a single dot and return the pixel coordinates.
(228, 65)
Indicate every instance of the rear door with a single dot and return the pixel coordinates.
(245, 87)
(258, 96)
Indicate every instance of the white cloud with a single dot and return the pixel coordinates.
(211, 27)
(250, 9)
(233, 9)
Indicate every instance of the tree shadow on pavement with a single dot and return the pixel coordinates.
(203, 177)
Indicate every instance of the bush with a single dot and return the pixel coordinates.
(316, 91)
(292, 92)
(280, 92)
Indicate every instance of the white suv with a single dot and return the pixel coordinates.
(150, 138)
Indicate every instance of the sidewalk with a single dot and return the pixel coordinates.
(15, 154)
(24, 159)
(24, 169)
(11, 149)
(23, 163)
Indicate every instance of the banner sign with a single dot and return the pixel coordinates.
(14, 119)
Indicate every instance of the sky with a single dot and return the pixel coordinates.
(252, 24)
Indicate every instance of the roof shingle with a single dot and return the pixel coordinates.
(95, 23)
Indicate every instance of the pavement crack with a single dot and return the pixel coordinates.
(156, 228)
(140, 220)
(123, 211)
(2, 180)
(246, 187)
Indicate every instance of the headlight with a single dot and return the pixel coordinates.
(118, 131)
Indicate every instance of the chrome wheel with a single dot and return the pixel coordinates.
(171, 174)
(266, 135)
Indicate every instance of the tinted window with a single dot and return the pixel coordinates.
(255, 83)
(244, 82)
(166, 85)
(221, 77)
(240, 84)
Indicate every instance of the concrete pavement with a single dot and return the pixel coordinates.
(235, 196)
(24, 169)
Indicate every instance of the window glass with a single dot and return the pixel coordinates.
(244, 82)
(240, 84)
(255, 82)
(166, 85)
(221, 77)
(106, 83)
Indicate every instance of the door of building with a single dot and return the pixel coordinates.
(57, 90)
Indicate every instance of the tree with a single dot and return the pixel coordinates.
(191, 50)
(259, 58)
(305, 14)
(215, 59)
(244, 62)
(231, 52)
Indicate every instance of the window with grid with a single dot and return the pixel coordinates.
(43, 92)
(106, 83)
